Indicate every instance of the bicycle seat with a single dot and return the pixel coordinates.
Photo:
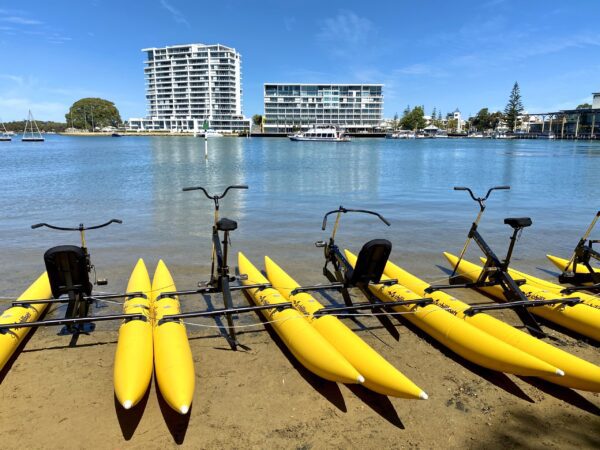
(518, 222)
(226, 224)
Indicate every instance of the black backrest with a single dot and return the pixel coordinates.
(370, 263)
(67, 270)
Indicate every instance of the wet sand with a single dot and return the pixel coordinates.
(57, 396)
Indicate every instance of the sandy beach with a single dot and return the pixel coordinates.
(56, 396)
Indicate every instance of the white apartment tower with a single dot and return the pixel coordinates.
(187, 85)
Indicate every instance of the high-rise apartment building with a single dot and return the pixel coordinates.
(187, 85)
(354, 107)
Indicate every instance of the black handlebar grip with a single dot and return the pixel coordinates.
(192, 188)
(37, 225)
(117, 221)
(239, 186)
(501, 187)
(460, 188)
(385, 221)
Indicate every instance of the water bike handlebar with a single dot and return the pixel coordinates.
(481, 200)
(81, 227)
(341, 209)
(215, 197)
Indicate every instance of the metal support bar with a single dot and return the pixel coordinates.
(224, 311)
(285, 305)
(228, 305)
(213, 290)
(251, 286)
(319, 287)
(86, 298)
(570, 290)
(316, 287)
(107, 296)
(382, 305)
(474, 309)
(51, 322)
(26, 303)
(440, 287)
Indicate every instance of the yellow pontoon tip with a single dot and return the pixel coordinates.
(560, 373)
(127, 404)
(184, 409)
(423, 395)
(361, 379)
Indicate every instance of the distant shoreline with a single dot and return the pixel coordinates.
(187, 134)
(132, 133)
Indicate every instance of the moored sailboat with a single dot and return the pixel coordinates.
(33, 136)
(4, 136)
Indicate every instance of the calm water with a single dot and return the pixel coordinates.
(68, 180)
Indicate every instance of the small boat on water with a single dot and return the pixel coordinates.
(210, 133)
(115, 135)
(4, 136)
(31, 135)
(547, 135)
(401, 134)
(321, 134)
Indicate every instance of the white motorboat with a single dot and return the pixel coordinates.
(321, 134)
(401, 134)
(210, 133)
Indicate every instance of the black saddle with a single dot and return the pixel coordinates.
(226, 224)
(370, 263)
(518, 222)
(67, 270)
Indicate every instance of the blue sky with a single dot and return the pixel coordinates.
(464, 54)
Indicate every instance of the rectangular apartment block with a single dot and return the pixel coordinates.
(353, 107)
(189, 84)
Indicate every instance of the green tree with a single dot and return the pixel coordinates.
(484, 120)
(259, 121)
(413, 120)
(395, 122)
(584, 106)
(92, 113)
(406, 111)
(514, 108)
(495, 119)
(481, 120)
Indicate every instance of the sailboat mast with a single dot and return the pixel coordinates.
(36, 126)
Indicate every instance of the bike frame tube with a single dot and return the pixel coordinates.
(581, 243)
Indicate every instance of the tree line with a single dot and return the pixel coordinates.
(414, 119)
(19, 125)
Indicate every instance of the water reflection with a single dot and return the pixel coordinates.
(292, 184)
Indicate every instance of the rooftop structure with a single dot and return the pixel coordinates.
(188, 85)
(298, 106)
